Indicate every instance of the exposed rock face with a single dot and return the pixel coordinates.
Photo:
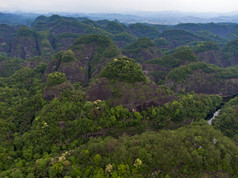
(25, 45)
(68, 26)
(155, 72)
(89, 56)
(231, 61)
(7, 34)
(74, 72)
(142, 50)
(139, 95)
(54, 91)
(212, 57)
(145, 54)
(63, 43)
(201, 82)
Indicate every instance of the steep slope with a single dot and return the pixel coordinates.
(143, 30)
(123, 39)
(85, 58)
(210, 53)
(227, 120)
(180, 37)
(122, 82)
(204, 78)
(55, 84)
(7, 34)
(25, 44)
(158, 68)
(142, 50)
(230, 51)
(29, 43)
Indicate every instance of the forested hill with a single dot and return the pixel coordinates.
(84, 98)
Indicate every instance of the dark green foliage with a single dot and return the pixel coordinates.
(123, 69)
(231, 49)
(104, 46)
(72, 137)
(68, 56)
(103, 41)
(182, 55)
(180, 37)
(139, 44)
(46, 49)
(182, 73)
(25, 31)
(10, 65)
(161, 43)
(185, 54)
(142, 30)
(190, 151)
(98, 31)
(41, 67)
(127, 37)
(67, 35)
(227, 120)
(209, 36)
(187, 109)
(233, 35)
(205, 46)
(114, 27)
(55, 78)
(186, 151)
(168, 61)
(47, 133)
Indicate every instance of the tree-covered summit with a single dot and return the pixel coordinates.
(124, 69)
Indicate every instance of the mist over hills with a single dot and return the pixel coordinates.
(166, 18)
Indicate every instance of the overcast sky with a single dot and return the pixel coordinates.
(77, 6)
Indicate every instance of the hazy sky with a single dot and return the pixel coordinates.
(118, 5)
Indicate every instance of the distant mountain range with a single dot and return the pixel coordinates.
(165, 18)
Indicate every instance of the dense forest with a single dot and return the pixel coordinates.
(84, 98)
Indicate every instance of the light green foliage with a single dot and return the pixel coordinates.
(227, 119)
(141, 43)
(123, 69)
(55, 78)
(68, 56)
(114, 27)
(45, 45)
(182, 73)
(185, 54)
(189, 107)
(103, 48)
(205, 46)
(25, 31)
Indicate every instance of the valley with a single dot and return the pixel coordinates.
(99, 98)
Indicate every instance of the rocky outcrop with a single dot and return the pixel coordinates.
(25, 44)
(51, 92)
(206, 83)
(74, 72)
(87, 57)
(137, 96)
(155, 72)
(7, 34)
(142, 50)
(145, 54)
(212, 57)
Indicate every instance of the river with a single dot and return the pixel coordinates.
(213, 117)
(225, 100)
